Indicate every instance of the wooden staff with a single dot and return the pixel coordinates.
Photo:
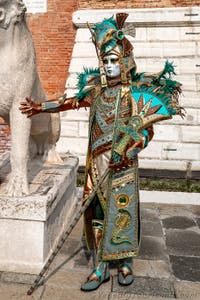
(66, 234)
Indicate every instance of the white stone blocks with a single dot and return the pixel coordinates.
(155, 65)
(190, 99)
(140, 36)
(163, 34)
(69, 128)
(75, 115)
(148, 50)
(171, 198)
(84, 50)
(171, 150)
(73, 145)
(140, 63)
(189, 66)
(173, 49)
(166, 132)
(77, 64)
(71, 82)
(185, 151)
(83, 129)
(83, 35)
(141, 17)
(189, 82)
(195, 166)
(189, 33)
(162, 164)
(198, 49)
(190, 134)
(198, 82)
(153, 151)
(30, 226)
(191, 118)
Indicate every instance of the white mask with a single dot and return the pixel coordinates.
(111, 65)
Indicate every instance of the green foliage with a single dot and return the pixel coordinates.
(171, 185)
(157, 184)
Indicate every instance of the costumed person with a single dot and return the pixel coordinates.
(123, 106)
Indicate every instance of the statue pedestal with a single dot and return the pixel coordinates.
(30, 226)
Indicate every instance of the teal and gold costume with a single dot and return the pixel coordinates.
(122, 111)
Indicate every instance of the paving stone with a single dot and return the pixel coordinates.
(77, 232)
(67, 255)
(167, 210)
(17, 277)
(183, 242)
(196, 210)
(146, 286)
(152, 248)
(148, 214)
(70, 246)
(178, 222)
(187, 290)
(151, 228)
(198, 221)
(185, 267)
(68, 278)
(68, 293)
(151, 268)
(83, 259)
(11, 291)
(125, 296)
(66, 285)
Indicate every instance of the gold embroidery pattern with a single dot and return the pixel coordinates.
(122, 221)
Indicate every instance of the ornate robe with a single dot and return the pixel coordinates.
(118, 194)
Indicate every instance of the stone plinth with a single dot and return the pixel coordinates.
(30, 226)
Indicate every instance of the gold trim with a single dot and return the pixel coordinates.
(121, 255)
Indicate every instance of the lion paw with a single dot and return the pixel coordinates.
(17, 186)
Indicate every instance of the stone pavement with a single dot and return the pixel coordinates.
(168, 266)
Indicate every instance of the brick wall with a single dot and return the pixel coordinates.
(108, 4)
(53, 34)
(4, 137)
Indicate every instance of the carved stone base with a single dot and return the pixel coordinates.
(30, 226)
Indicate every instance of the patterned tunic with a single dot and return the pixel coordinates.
(119, 193)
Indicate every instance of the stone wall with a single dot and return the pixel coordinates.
(169, 33)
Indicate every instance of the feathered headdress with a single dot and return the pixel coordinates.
(109, 36)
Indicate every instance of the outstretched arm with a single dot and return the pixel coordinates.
(30, 108)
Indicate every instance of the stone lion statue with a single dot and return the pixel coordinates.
(19, 79)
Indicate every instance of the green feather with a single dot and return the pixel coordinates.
(168, 70)
(83, 79)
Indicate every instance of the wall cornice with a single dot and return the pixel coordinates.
(159, 17)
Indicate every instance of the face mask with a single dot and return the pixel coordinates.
(111, 65)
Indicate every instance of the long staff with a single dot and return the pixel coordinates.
(66, 234)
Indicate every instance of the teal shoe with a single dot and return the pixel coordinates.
(96, 279)
(101, 272)
(125, 273)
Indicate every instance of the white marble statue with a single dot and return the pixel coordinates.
(19, 79)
